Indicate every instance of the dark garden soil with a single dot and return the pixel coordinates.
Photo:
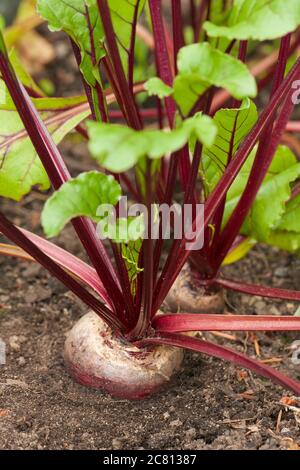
(208, 405)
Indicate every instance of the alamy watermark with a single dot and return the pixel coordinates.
(296, 94)
(296, 353)
(2, 353)
(160, 221)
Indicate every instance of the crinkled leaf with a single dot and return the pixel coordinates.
(233, 127)
(80, 196)
(118, 148)
(258, 19)
(200, 66)
(20, 166)
(156, 87)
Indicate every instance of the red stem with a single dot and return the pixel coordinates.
(293, 126)
(113, 49)
(178, 38)
(101, 112)
(20, 239)
(58, 174)
(144, 319)
(262, 162)
(180, 323)
(162, 57)
(179, 255)
(261, 291)
(227, 354)
(200, 19)
(87, 88)
(71, 263)
(132, 46)
(243, 48)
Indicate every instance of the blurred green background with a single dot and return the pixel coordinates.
(8, 9)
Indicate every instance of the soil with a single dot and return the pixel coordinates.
(209, 405)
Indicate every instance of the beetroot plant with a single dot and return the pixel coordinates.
(228, 161)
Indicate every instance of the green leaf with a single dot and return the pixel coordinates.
(41, 104)
(219, 10)
(80, 196)
(6, 101)
(74, 17)
(79, 18)
(287, 241)
(122, 14)
(200, 66)
(3, 49)
(22, 73)
(297, 313)
(240, 251)
(273, 217)
(122, 230)
(156, 87)
(118, 148)
(269, 205)
(130, 253)
(258, 19)
(143, 68)
(20, 166)
(291, 218)
(2, 22)
(233, 126)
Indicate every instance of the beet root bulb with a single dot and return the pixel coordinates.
(97, 358)
(188, 296)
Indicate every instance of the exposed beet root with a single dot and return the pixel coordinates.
(188, 296)
(97, 358)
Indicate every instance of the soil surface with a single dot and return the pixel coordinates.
(209, 405)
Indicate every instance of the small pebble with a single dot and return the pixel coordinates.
(260, 307)
(21, 361)
(14, 343)
(176, 423)
(117, 444)
(191, 434)
(281, 272)
(273, 310)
